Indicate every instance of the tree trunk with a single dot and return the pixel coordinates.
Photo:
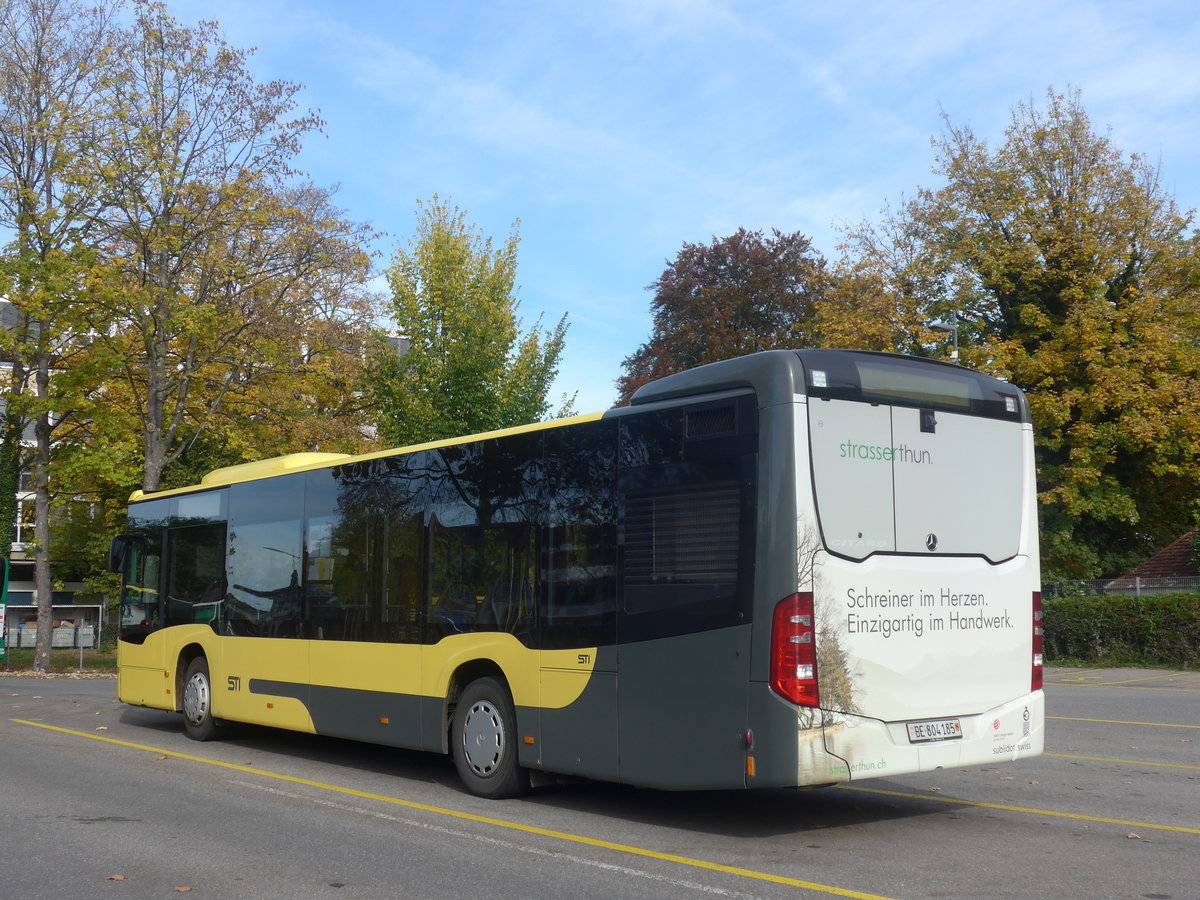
(41, 531)
(155, 460)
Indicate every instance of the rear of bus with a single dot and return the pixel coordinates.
(913, 640)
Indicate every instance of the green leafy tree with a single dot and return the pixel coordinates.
(1075, 276)
(228, 266)
(737, 295)
(50, 54)
(177, 295)
(247, 388)
(463, 364)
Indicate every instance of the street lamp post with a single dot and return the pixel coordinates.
(950, 327)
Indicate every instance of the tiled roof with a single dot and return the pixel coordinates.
(1174, 560)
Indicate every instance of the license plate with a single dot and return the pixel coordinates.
(934, 730)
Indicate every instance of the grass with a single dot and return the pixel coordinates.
(64, 659)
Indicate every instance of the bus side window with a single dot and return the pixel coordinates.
(484, 511)
(265, 541)
(139, 594)
(687, 486)
(196, 574)
(142, 570)
(581, 538)
(681, 547)
(404, 585)
(340, 552)
(483, 579)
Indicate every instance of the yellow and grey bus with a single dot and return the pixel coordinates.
(791, 568)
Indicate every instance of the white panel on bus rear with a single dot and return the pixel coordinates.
(852, 473)
(958, 487)
(915, 637)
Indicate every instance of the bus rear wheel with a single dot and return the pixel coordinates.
(483, 740)
(198, 721)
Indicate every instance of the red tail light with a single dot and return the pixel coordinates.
(1038, 636)
(794, 650)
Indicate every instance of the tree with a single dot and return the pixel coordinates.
(50, 52)
(227, 264)
(176, 292)
(464, 364)
(881, 295)
(1076, 277)
(737, 295)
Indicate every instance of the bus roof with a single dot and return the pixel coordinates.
(776, 376)
(303, 462)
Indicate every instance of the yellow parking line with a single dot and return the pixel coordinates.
(1125, 762)
(1158, 677)
(1073, 675)
(1183, 829)
(1119, 722)
(1133, 684)
(483, 820)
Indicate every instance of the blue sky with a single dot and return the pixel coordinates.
(616, 130)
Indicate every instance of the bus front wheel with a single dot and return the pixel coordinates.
(198, 721)
(483, 740)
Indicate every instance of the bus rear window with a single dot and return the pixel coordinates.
(900, 381)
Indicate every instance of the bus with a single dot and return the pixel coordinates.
(793, 568)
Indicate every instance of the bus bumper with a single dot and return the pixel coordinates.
(859, 747)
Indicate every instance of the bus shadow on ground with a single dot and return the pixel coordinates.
(740, 814)
(743, 814)
(167, 727)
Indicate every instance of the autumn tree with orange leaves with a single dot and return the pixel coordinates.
(1074, 275)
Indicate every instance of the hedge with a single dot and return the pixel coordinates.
(1152, 630)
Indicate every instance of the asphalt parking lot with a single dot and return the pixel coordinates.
(104, 799)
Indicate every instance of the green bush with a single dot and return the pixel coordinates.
(1154, 630)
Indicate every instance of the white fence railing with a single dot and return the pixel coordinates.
(1125, 586)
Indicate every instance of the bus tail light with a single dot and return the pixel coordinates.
(794, 650)
(1039, 633)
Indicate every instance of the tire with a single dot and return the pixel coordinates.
(198, 721)
(483, 740)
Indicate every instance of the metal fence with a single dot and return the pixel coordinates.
(1125, 586)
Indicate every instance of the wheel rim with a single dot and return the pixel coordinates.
(196, 699)
(483, 738)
